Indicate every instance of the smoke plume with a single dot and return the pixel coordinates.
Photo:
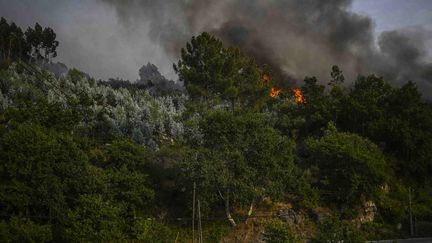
(295, 37)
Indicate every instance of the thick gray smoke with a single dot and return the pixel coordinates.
(114, 38)
(295, 37)
(404, 57)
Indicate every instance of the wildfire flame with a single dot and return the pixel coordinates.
(298, 96)
(274, 92)
(265, 78)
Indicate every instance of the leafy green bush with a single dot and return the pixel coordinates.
(334, 229)
(279, 232)
(95, 220)
(24, 230)
(148, 230)
(352, 168)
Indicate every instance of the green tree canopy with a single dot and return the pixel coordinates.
(41, 171)
(95, 219)
(211, 71)
(351, 168)
(242, 159)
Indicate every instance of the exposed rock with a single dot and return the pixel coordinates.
(368, 212)
(320, 214)
(290, 216)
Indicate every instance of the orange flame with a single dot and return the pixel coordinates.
(265, 78)
(275, 92)
(298, 96)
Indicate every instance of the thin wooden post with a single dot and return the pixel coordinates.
(193, 213)
(200, 237)
(410, 213)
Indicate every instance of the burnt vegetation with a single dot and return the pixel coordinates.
(85, 160)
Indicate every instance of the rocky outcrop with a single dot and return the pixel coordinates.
(368, 212)
(290, 216)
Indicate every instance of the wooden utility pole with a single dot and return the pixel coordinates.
(200, 237)
(193, 213)
(410, 213)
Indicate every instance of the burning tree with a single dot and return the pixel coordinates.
(274, 92)
(298, 95)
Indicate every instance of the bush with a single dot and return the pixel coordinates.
(148, 230)
(279, 232)
(95, 220)
(350, 166)
(24, 230)
(334, 229)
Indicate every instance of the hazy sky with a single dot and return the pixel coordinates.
(94, 37)
(394, 14)
(90, 35)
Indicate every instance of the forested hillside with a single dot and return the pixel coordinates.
(85, 160)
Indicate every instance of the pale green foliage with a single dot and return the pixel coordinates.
(111, 112)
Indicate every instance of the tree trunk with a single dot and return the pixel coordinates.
(2, 49)
(10, 48)
(232, 104)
